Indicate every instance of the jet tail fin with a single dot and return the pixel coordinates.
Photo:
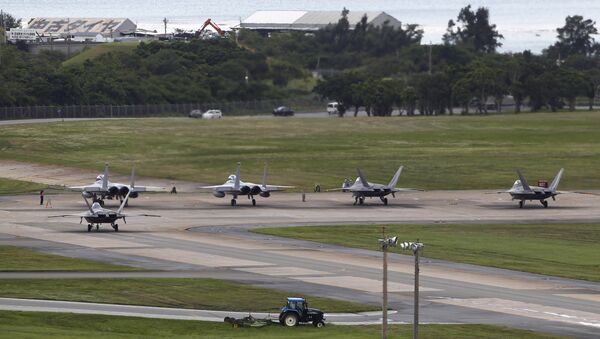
(523, 181)
(362, 178)
(395, 178)
(264, 179)
(87, 203)
(105, 178)
(556, 181)
(237, 177)
(124, 202)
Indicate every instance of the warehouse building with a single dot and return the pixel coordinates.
(81, 27)
(310, 21)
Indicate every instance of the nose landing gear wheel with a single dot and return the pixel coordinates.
(233, 202)
(521, 203)
(253, 202)
(361, 201)
(97, 227)
(89, 227)
(115, 227)
(385, 201)
(545, 203)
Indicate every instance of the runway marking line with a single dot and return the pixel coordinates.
(549, 313)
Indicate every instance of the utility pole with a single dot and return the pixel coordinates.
(385, 291)
(415, 247)
(165, 21)
(385, 243)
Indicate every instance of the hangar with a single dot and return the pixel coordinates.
(310, 21)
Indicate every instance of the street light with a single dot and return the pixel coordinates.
(415, 247)
(385, 243)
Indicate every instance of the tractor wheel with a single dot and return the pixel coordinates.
(319, 324)
(290, 320)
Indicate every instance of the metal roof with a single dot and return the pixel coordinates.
(311, 20)
(81, 26)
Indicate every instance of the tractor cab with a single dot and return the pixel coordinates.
(296, 311)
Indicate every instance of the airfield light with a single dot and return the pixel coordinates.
(415, 247)
(385, 242)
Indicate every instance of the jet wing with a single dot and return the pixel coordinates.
(91, 189)
(273, 188)
(220, 188)
(149, 189)
(407, 190)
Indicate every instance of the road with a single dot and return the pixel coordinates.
(202, 236)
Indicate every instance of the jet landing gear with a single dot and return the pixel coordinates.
(359, 200)
(115, 227)
(233, 202)
(521, 204)
(384, 200)
(544, 203)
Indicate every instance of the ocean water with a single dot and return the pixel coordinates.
(525, 24)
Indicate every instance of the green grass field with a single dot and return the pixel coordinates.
(8, 186)
(569, 251)
(96, 51)
(15, 259)
(62, 325)
(458, 152)
(210, 294)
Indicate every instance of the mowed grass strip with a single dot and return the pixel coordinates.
(563, 250)
(63, 325)
(15, 259)
(210, 294)
(444, 152)
(8, 186)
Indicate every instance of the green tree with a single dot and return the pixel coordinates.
(7, 21)
(575, 37)
(475, 30)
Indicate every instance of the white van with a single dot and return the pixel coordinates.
(332, 108)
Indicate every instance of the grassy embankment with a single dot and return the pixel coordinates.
(9, 187)
(15, 259)
(569, 250)
(61, 325)
(97, 50)
(460, 152)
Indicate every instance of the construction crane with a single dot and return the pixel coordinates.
(216, 27)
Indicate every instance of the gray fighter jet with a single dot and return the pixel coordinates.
(104, 189)
(97, 215)
(362, 188)
(235, 187)
(522, 191)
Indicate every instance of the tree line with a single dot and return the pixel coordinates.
(376, 67)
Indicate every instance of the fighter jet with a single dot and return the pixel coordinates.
(522, 191)
(103, 188)
(362, 188)
(98, 215)
(235, 187)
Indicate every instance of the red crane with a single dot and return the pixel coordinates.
(213, 25)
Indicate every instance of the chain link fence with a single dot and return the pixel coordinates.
(232, 108)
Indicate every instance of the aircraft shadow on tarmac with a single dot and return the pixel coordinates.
(532, 206)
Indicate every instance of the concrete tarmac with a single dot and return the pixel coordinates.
(199, 235)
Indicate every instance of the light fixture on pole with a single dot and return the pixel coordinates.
(385, 243)
(415, 247)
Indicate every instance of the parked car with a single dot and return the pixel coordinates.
(212, 114)
(283, 111)
(196, 113)
(332, 108)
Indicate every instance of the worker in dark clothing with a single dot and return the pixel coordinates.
(41, 197)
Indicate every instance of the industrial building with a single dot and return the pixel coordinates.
(310, 21)
(81, 27)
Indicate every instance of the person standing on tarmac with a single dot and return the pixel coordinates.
(41, 197)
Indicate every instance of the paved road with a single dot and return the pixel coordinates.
(199, 235)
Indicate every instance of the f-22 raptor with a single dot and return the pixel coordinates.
(362, 188)
(522, 191)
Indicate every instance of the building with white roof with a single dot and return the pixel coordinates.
(309, 21)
